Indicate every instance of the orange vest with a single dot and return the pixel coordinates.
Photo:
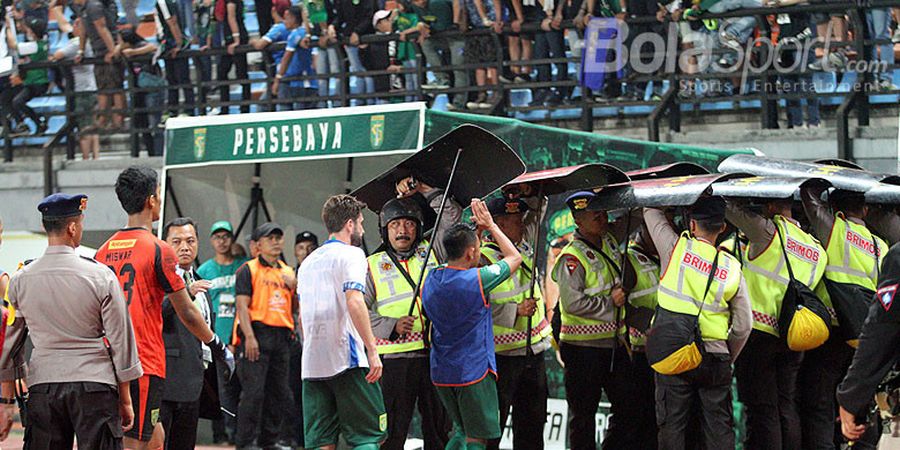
(271, 301)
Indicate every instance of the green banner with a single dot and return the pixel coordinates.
(292, 135)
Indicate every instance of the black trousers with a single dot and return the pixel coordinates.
(587, 377)
(292, 425)
(710, 385)
(407, 381)
(22, 96)
(522, 385)
(178, 73)
(229, 396)
(644, 397)
(822, 370)
(264, 387)
(241, 70)
(59, 412)
(766, 375)
(179, 419)
(551, 44)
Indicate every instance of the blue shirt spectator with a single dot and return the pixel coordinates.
(301, 63)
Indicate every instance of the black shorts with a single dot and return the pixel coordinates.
(146, 398)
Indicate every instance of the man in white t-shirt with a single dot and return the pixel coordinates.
(340, 396)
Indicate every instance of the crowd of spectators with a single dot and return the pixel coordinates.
(320, 36)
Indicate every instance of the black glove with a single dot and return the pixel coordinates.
(220, 352)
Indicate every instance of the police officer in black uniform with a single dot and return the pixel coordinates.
(878, 351)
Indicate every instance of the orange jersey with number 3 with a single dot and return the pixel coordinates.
(145, 267)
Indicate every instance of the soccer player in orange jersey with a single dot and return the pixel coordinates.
(145, 266)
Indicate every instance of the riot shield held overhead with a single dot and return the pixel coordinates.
(564, 179)
(884, 194)
(838, 163)
(762, 187)
(840, 177)
(679, 169)
(661, 192)
(485, 164)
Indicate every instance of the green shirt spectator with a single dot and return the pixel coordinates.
(37, 76)
(406, 51)
(222, 294)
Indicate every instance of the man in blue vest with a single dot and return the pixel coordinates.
(455, 297)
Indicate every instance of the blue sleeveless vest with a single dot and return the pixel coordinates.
(462, 337)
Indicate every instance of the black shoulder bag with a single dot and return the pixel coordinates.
(796, 296)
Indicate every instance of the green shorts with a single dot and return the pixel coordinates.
(345, 405)
(473, 408)
(84, 110)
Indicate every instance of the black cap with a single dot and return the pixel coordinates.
(841, 195)
(579, 201)
(306, 236)
(37, 25)
(708, 208)
(266, 229)
(59, 206)
(506, 207)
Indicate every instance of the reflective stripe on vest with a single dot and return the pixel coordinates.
(393, 295)
(683, 284)
(767, 275)
(516, 289)
(599, 280)
(644, 292)
(852, 254)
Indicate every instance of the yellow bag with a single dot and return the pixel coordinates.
(807, 330)
(682, 360)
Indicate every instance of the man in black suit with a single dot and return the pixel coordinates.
(186, 357)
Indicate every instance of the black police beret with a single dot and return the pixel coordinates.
(708, 208)
(58, 206)
(579, 201)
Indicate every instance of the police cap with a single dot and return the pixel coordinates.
(579, 201)
(506, 207)
(59, 206)
(306, 236)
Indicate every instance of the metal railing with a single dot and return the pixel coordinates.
(668, 106)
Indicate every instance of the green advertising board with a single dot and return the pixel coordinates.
(294, 135)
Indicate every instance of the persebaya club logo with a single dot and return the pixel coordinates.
(376, 130)
(199, 143)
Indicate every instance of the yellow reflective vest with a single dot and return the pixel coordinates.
(767, 275)
(682, 285)
(851, 251)
(516, 289)
(643, 295)
(393, 295)
(599, 279)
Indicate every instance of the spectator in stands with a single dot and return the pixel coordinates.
(170, 34)
(149, 77)
(878, 21)
(831, 27)
(521, 43)
(130, 7)
(297, 63)
(57, 13)
(328, 60)
(733, 31)
(611, 86)
(896, 38)
(235, 34)
(34, 81)
(573, 10)
(264, 15)
(794, 36)
(440, 16)
(278, 33)
(689, 33)
(353, 18)
(550, 43)
(85, 88)
(481, 49)
(99, 19)
(406, 22)
(383, 56)
(38, 9)
(204, 27)
(641, 9)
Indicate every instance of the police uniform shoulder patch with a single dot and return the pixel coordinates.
(886, 296)
(386, 267)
